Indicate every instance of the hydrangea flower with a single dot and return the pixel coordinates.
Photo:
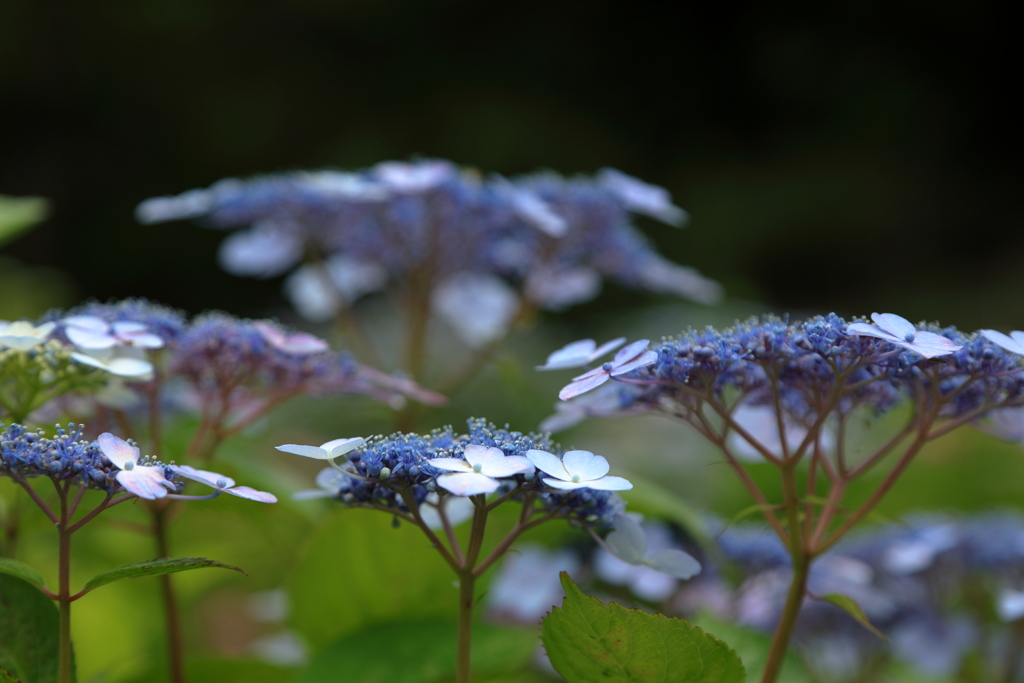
(576, 470)
(457, 509)
(328, 451)
(22, 335)
(144, 481)
(1014, 343)
(91, 333)
(223, 484)
(644, 198)
(295, 343)
(480, 470)
(896, 330)
(629, 543)
(631, 358)
(118, 365)
(645, 558)
(329, 483)
(579, 354)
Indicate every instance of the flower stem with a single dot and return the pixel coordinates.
(784, 630)
(175, 657)
(466, 593)
(64, 591)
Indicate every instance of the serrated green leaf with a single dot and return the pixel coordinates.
(166, 565)
(358, 570)
(20, 570)
(589, 641)
(850, 606)
(29, 631)
(752, 647)
(6, 677)
(17, 214)
(419, 652)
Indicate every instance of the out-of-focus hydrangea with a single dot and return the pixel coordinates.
(427, 226)
(527, 585)
(645, 558)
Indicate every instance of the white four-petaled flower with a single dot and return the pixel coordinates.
(1013, 343)
(223, 484)
(634, 356)
(480, 471)
(144, 481)
(576, 470)
(896, 330)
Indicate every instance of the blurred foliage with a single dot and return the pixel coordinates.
(18, 214)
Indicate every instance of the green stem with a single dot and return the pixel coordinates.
(175, 656)
(784, 630)
(466, 594)
(64, 591)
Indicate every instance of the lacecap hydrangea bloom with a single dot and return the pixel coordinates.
(432, 229)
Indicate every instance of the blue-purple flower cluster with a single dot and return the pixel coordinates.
(812, 369)
(423, 223)
(64, 457)
(392, 471)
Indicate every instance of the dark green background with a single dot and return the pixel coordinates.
(853, 156)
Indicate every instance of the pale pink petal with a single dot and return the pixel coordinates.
(605, 348)
(118, 451)
(583, 386)
(590, 373)
(932, 345)
(213, 479)
(145, 482)
(648, 358)
(467, 484)
(865, 330)
(630, 352)
(895, 325)
(548, 463)
(251, 494)
(450, 464)
(585, 465)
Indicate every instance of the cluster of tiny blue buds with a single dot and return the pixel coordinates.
(66, 456)
(392, 467)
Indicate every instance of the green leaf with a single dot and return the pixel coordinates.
(358, 570)
(589, 641)
(20, 570)
(752, 647)
(166, 565)
(850, 606)
(29, 631)
(6, 677)
(419, 652)
(17, 214)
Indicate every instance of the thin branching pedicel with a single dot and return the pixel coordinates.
(788, 392)
(437, 480)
